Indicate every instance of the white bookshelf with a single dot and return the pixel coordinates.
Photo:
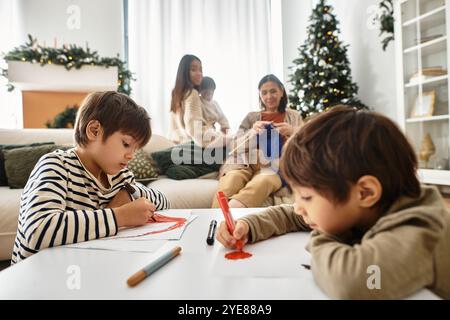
(422, 35)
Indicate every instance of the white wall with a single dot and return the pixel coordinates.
(101, 23)
(295, 15)
(372, 68)
(11, 30)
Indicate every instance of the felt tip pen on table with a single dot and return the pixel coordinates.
(153, 266)
(223, 203)
(211, 232)
(306, 266)
(134, 193)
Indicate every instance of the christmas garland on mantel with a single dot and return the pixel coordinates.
(71, 56)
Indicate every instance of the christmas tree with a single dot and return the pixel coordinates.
(322, 76)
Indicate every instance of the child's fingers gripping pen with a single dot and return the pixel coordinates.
(223, 202)
(134, 194)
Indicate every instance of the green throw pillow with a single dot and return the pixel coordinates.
(142, 167)
(21, 161)
(3, 179)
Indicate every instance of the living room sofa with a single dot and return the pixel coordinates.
(189, 193)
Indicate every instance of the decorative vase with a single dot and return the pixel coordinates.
(427, 149)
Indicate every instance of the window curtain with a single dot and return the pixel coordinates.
(232, 38)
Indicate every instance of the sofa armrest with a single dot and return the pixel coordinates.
(157, 143)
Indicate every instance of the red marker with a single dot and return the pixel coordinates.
(223, 203)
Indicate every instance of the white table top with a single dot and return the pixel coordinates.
(200, 272)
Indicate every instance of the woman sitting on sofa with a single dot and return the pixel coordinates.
(187, 120)
(189, 129)
(251, 174)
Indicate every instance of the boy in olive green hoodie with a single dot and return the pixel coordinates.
(353, 174)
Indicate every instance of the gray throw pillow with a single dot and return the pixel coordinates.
(20, 162)
(3, 180)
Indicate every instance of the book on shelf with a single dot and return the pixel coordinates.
(428, 38)
(426, 74)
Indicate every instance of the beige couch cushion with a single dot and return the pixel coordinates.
(189, 193)
(9, 212)
(23, 136)
(157, 143)
(65, 136)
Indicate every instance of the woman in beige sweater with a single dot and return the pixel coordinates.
(249, 177)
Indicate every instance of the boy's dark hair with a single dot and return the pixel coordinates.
(115, 112)
(284, 98)
(334, 149)
(207, 84)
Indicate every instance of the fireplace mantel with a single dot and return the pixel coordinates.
(28, 76)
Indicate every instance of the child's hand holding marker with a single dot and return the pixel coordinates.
(135, 213)
(236, 235)
(239, 237)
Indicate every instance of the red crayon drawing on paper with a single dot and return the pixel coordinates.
(236, 255)
(239, 253)
(158, 218)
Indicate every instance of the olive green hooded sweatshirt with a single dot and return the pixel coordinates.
(409, 247)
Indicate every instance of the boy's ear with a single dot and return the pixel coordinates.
(93, 129)
(369, 190)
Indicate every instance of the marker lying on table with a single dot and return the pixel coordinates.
(211, 232)
(153, 266)
(223, 203)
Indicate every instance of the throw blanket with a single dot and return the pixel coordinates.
(188, 161)
(270, 142)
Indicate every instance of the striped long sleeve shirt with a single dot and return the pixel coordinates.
(62, 203)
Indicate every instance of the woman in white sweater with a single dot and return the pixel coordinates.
(188, 122)
(200, 148)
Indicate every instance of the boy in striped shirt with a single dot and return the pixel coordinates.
(78, 195)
